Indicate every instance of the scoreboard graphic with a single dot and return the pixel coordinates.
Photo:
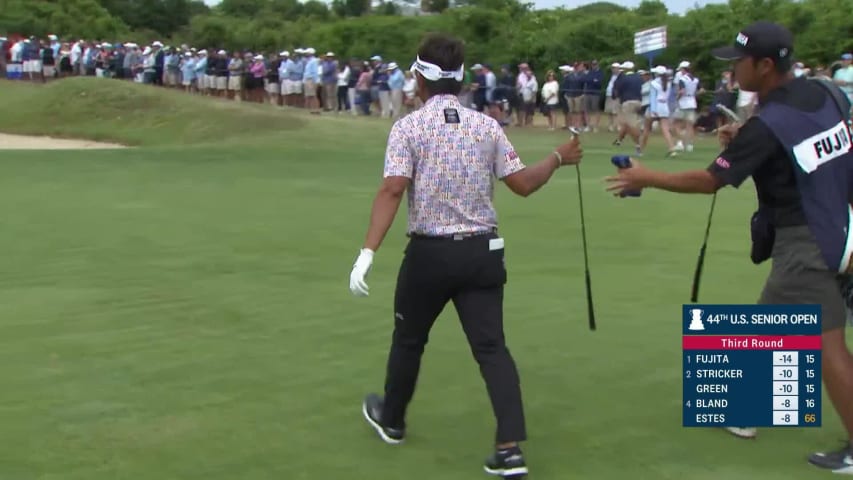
(751, 365)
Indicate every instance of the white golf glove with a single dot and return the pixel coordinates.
(357, 284)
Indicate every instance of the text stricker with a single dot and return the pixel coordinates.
(722, 373)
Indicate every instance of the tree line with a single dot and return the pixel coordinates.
(495, 31)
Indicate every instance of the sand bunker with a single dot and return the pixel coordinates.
(22, 142)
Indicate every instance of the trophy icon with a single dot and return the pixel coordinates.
(696, 320)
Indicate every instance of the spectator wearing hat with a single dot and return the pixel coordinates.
(149, 66)
(236, 71)
(221, 72)
(396, 81)
(284, 69)
(685, 116)
(188, 72)
(329, 77)
(257, 73)
(611, 102)
(629, 90)
(311, 81)
(843, 77)
(377, 77)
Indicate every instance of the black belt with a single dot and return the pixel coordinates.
(452, 236)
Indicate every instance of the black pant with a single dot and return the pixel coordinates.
(468, 273)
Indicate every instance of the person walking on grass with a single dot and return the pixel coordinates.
(446, 156)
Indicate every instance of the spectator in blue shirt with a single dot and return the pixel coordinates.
(592, 95)
(311, 80)
(628, 89)
(330, 81)
(396, 80)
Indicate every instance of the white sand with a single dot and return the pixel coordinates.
(23, 142)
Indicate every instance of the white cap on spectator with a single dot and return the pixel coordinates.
(684, 64)
(376, 58)
(392, 66)
(259, 57)
(202, 52)
(156, 44)
(193, 49)
(565, 68)
(188, 54)
(615, 65)
(330, 54)
(297, 51)
(146, 51)
(476, 66)
(221, 52)
(285, 53)
(659, 70)
(106, 45)
(3, 39)
(310, 51)
(51, 37)
(628, 65)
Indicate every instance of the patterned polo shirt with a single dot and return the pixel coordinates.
(452, 154)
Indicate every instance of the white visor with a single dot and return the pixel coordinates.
(433, 72)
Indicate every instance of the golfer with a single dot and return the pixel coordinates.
(798, 151)
(446, 156)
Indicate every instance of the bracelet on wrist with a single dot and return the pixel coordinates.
(559, 158)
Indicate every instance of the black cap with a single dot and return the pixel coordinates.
(760, 40)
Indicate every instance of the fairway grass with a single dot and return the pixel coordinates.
(182, 312)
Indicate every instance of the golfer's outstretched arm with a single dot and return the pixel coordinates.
(530, 179)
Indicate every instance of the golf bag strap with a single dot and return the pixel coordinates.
(837, 96)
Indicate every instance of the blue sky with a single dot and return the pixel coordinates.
(675, 6)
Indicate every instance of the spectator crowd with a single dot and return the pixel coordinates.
(633, 102)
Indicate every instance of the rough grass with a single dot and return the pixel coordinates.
(133, 114)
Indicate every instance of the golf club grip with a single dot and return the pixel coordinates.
(697, 275)
(591, 310)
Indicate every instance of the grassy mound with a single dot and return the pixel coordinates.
(133, 114)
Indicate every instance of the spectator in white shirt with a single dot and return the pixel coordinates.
(528, 87)
(343, 87)
(550, 98)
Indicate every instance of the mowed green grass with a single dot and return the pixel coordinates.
(182, 312)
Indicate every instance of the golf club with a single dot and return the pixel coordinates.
(729, 113)
(700, 262)
(591, 310)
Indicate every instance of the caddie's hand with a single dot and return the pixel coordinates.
(726, 133)
(628, 179)
(357, 283)
(571, 152)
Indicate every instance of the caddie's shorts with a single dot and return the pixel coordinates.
(800, 276)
